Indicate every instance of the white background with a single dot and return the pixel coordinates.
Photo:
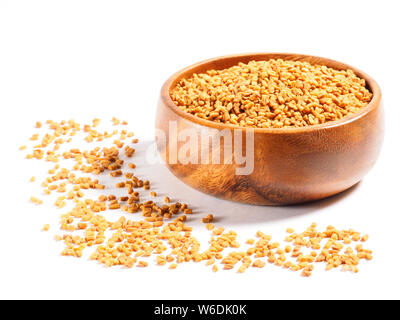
(86, 59)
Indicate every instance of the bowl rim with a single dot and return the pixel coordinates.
(372, 84)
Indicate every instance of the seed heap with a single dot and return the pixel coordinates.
(161, 232)
(272, 94)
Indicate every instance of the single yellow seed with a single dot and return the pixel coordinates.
(218, 231)
(209, 226)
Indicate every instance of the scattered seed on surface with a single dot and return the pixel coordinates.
(144, 229)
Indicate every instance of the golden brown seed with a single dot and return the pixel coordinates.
(218, 231)
(250, 241)
(114, 206)
(209, 218)
(142, 264)
(209, 226)
(258, 263)
(82, 225)
(36, 200)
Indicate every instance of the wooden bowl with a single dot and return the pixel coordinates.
(291, 165)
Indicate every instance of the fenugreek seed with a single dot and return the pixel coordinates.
(158, 224)
(210, 262)
(356, 237)
(209, 226)
(95, 122)
(116, 173)
(102, 198)
(36, 200)
(314, 225)
(209, 218)
(114, 206)
(306, 273)
(258, 263)
(142, 264)
(120, 185)
(364, 238)
(46, 227)
(218, 231)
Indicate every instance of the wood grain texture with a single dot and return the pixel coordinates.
(291, 165)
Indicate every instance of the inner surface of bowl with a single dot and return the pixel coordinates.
(291, 164)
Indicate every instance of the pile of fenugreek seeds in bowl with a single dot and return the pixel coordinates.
(156, 231)
(272, 94)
